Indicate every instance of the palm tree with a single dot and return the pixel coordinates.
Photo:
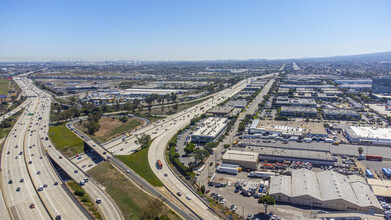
(360, 150)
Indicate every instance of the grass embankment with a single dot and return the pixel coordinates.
(4, 86)
(139, 163)
(65, 140)
(133, 202)
(110, 127)
(84, 199)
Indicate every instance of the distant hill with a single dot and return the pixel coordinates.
(381, 56)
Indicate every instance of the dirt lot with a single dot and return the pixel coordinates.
(110, 127)
(108, 124)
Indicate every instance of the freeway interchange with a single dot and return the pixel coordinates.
(33, 189)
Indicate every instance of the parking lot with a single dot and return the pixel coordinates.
(248, 204)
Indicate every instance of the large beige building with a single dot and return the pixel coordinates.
(244, 159)
(326, 189)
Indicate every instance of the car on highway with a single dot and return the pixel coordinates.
(45, 185)
(60, 157)
(30, 162)
(179, 194)
(39, 172)
(56, 183)
(40, 188)
(21, 180)
(188, 197)
(8, 152)
(16, 157)
(98, 200)
(32, 206)
(75, 171)
(128, 171)
(10, 182)
(165, 174)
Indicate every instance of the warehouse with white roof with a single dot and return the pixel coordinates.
(209, 130)
(244, 159)
(326, 189)
(369, 135)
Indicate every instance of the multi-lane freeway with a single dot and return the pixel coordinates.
(31, 187)
(29, 161)
(162, 131)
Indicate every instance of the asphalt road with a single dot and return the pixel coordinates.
(169, 129)
(23, 162)
(53, 200)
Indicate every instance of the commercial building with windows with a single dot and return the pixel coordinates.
(209, 130)
(340, 114)
(285, 101)
(293, 111)
(248, 160)
(369, 135)
(325, 189)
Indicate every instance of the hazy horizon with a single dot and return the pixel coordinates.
(191, 31)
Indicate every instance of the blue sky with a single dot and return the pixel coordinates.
(191, 30)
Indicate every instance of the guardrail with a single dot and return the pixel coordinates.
(87, 214)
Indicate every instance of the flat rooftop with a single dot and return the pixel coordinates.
(211, 127)
(240, 156)
(339, 111)
(294, 153)
(290, 127)
(380, 187)
(372, 132)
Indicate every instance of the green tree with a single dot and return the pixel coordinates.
(360, 150)
(189, 148)
(144, 140)
(226, 146)
(92, 127)
(173, 97)
(203, 189)
(200, 155)
(209, 146)
(266, 200)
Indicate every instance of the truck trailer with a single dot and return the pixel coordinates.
(258, 174)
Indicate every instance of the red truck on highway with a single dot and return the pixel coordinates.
(374, 157)
(159, 164)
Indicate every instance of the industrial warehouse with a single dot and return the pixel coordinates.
(209, 130)
(282, 154)
(369, 135)
(326, 189)
(244, 159)
(287, 128)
